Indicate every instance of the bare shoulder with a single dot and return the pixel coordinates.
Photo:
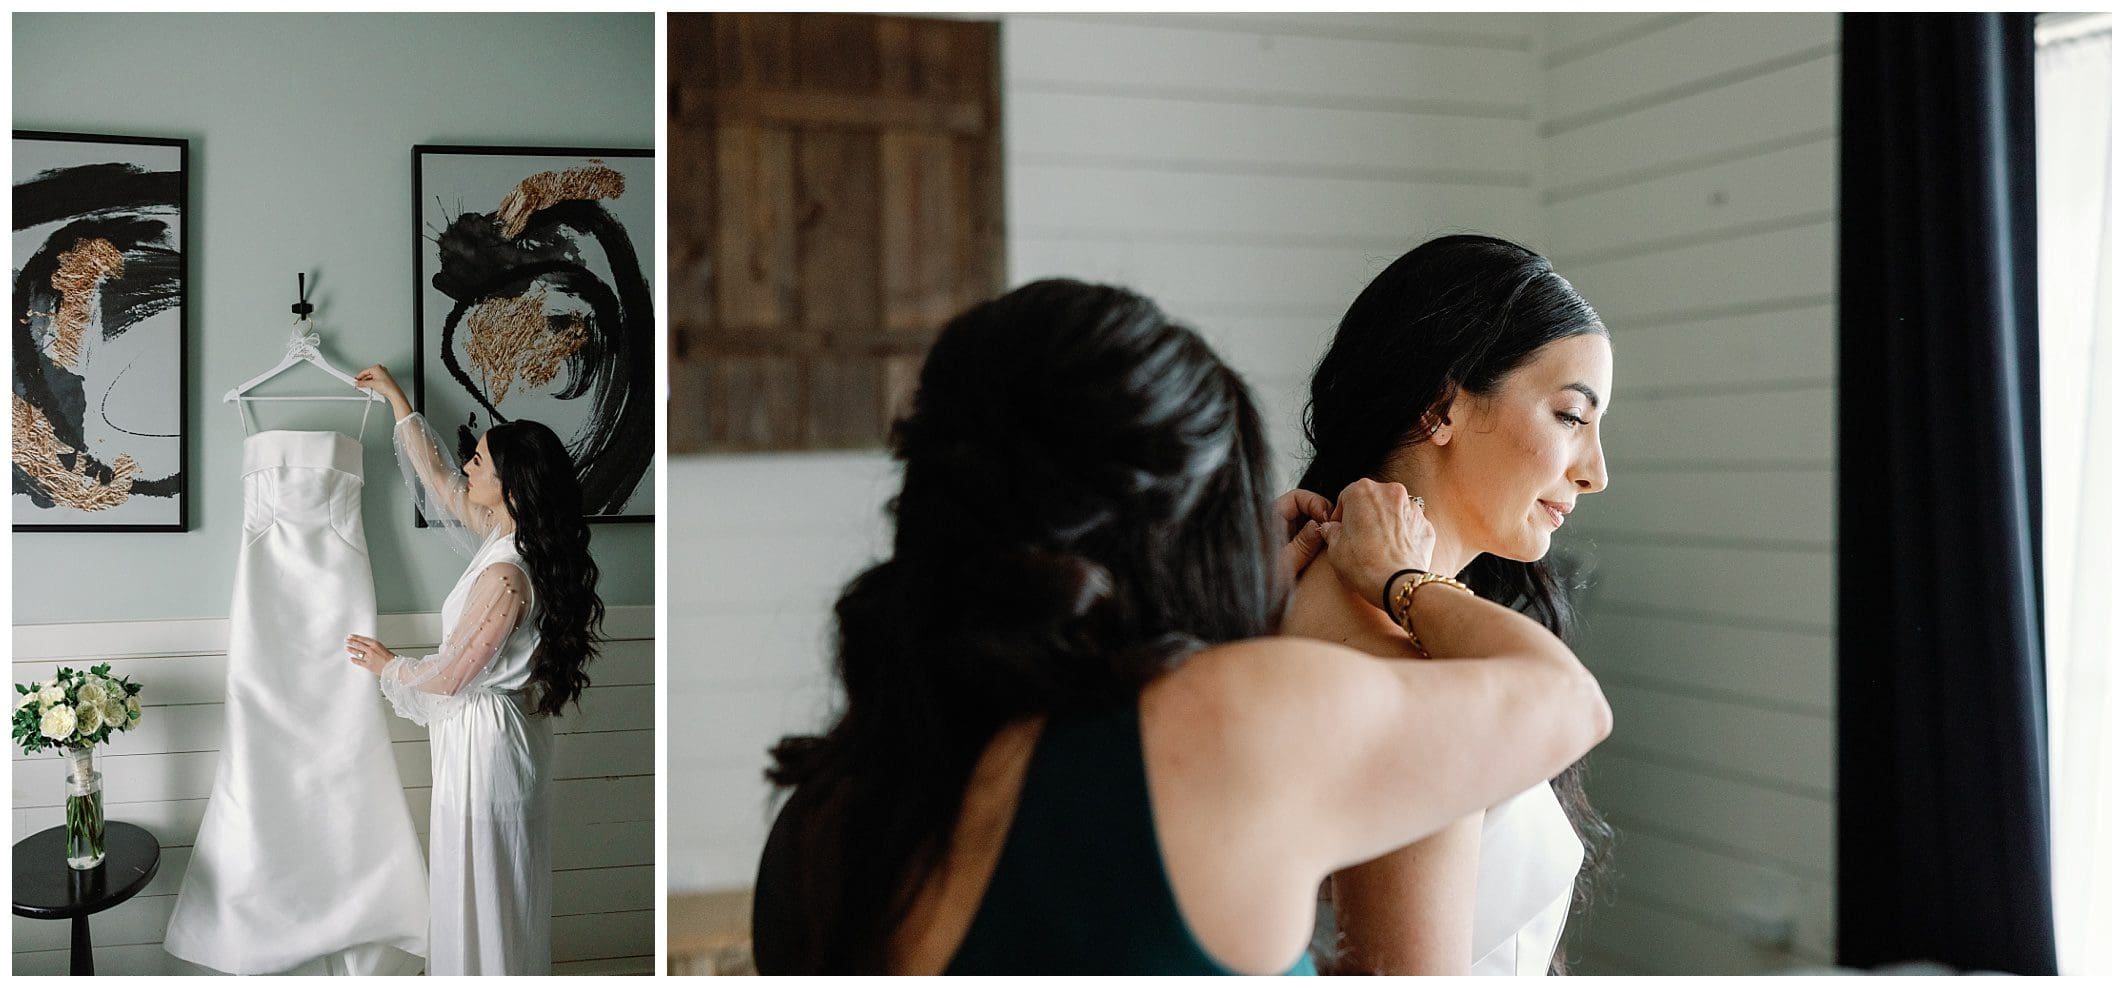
(1270, 697)
(1241, 743)
(1280, 671)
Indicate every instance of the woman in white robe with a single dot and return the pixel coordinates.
(519, 626)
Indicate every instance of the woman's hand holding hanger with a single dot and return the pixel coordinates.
(377, 378)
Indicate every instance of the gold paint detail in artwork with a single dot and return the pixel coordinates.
(592, 182)
(37, 453)
(82, 269)
(511, 338)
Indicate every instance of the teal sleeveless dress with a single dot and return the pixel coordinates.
(1080, 887)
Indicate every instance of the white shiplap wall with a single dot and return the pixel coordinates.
(160, 774)
(1249, 172)
(1688, 179)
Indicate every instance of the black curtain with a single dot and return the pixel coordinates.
(1943, 848)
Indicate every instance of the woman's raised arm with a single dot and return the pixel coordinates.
(1389, 751)
(432, 472)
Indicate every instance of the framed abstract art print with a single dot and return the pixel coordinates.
(534, 301)
(100, 227)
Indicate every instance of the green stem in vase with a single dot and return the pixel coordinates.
(84, 825)
(84, 809)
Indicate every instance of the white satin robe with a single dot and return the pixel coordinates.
(490, 857)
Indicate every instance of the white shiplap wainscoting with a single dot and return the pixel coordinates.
(1249, 172)
(160, 774)
(1689, 184)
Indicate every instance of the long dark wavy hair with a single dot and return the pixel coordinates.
(539, 487)
(1086, 501)
(1455, 314)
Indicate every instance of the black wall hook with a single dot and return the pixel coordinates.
(302, 306)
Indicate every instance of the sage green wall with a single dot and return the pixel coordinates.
(301, 128)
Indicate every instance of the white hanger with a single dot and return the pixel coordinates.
(302, 348)
(303, 342)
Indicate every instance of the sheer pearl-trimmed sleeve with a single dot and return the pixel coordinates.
(437, 481)
(427, 689)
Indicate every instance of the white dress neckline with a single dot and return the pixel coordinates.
(1524, 881)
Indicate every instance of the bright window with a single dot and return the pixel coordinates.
(2080, 547)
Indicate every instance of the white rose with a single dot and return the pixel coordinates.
(114, 712)
(26, 699)
(58, 723)
(52, 693)
(132, 709)
(91, 720)
(92, 693)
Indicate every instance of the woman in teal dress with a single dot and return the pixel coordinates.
(1067, 740)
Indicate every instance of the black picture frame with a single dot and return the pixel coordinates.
(123, 204)
(621, 327)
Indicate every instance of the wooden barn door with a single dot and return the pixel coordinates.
(835, 195)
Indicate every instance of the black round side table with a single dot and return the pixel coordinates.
(45, 888)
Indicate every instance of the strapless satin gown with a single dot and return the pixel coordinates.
(307, 860)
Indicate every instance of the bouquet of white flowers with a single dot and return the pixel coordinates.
(76, 711)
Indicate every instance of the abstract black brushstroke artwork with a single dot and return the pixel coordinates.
(534, 302)
(99, 333)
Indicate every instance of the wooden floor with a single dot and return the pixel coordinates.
(711, 933)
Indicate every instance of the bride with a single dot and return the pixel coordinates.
(521, 623)
(1472, 374)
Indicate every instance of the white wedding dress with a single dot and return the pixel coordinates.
(306, 860)
(1523, 883)
(490, 860)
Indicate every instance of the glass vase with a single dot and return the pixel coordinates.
(84, 810)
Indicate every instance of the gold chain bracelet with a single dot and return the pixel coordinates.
(1406, 599)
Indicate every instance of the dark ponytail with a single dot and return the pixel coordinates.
(1085, 501)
